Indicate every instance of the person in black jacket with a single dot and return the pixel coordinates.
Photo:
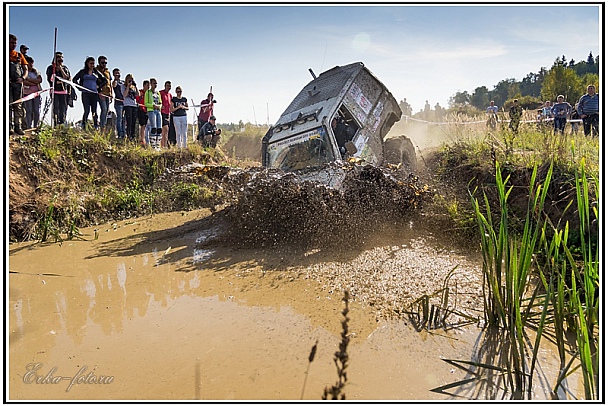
(62, 90)
(93, 80)
(209, 135)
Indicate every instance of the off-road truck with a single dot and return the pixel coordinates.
(344, 113)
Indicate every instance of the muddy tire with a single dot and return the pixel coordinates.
(400, 150)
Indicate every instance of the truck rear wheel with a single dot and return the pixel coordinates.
(400, 150)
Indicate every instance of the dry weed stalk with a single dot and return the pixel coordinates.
(311, 358)
(340, 358)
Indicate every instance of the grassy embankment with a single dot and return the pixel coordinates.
(66, 179)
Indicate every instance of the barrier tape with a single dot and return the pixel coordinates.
(38, 93)
(483, 121)
(30, 96)
(206, 106)
(441, 122)
(81, 88)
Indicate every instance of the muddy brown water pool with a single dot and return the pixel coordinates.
(155, 309)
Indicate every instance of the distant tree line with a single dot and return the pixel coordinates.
(567, 78)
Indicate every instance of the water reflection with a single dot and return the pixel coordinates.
(490, 372)
(124, 276)
(109, 291)
(194, 281)
(18, 307)
(121, 276)
(201, 255)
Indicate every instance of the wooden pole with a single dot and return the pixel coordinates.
(53, 84)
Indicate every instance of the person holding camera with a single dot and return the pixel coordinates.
(64, 93)
(179, 111)
(130, 105)
(206, 111)
(209, 135)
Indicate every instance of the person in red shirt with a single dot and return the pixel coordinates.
(17, 74)
(165, 112)
(206, 111)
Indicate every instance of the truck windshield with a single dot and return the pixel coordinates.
(299, 151)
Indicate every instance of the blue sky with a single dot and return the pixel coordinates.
(256, 57)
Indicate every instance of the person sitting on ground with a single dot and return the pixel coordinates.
(209, 135)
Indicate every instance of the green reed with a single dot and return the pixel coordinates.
(585, 281)
(507, 263)
(573, 288)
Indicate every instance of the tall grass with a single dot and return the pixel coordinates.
(530, 147)
(569, 275)
(583, 263)
(507, 261)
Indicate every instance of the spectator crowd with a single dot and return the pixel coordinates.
(160, 115)
(558, 113)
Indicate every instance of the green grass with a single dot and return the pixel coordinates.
(584, 292)
(507, 261)
(475, 145)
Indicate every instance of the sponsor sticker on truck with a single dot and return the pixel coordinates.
(300, 138)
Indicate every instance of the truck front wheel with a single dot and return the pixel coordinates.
(400, 150)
